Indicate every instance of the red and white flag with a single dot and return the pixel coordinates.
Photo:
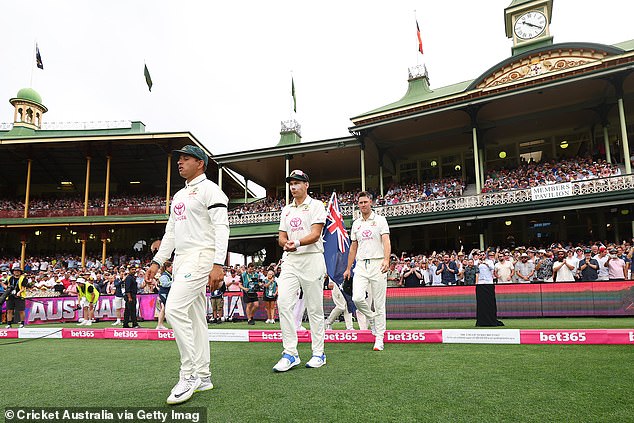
(420, 41)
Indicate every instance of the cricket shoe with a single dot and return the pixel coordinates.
(316, 361)
(184, 390)
(205, 384)
(378, 345)
(286, 362)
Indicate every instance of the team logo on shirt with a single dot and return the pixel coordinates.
(296, 224)
(193, 191)
(179, 211)
(367, 234)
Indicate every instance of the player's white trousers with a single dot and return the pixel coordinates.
(340, 307)
(306, 271)
(368, 272)
(185, 311)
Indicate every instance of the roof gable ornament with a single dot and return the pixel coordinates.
(540, 64)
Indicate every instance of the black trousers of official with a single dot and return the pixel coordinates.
(130, 312)
(486, 306)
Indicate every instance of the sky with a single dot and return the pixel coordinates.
(222, 70)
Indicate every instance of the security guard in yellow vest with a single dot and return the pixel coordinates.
(17, 285)
(87, 297)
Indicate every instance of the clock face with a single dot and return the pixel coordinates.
(530, 25)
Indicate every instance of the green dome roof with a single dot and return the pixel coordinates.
(29, 94)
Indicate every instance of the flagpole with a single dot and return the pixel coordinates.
(291, 112)
(33, 62)
(416, 22)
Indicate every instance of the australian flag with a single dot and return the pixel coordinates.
(336, 246)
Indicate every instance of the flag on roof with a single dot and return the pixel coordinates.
(38, 57)
(420, 41)
(293, 94)
(336, 246)
(148, 78)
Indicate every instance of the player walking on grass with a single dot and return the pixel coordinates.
(371, 247)
(198, 233)
(303, 267)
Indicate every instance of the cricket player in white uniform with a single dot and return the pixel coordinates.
(198, 233)
(340, 307)
(370, 236)
(303, 266)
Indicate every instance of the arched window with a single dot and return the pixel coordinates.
(37, 120)
(29, 115)
(20, 115)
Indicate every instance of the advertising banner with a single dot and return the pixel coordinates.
(435, 302)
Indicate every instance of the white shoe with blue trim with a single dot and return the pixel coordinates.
(316, 361)
(286, 362)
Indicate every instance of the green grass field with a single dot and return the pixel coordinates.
(415, 382)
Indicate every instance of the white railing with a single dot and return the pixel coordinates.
(590, 186)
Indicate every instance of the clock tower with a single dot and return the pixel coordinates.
(528, 23)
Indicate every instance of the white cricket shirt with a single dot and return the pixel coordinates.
(297, 220)
(368, 233)
(198, 222)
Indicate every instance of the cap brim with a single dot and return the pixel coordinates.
(294, 178)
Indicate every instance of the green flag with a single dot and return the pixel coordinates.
(293, 94)
(148, 78)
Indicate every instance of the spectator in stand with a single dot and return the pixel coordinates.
(447, 270)
(616, 266)
(504, 270)
(563, 267)
(393, 276)
(524, 269)
(588, 267)
(436, 278)
(411, 277)
(461, 262)
(620, 252)
(471, 272)
(534, 174)
(425, 273)
(602, 259)
(543, 266)
(574, 260)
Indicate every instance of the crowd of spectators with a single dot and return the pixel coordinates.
(395, 194)
(525, 175)
(531, 174)
(55, 276)
(69, 205)
(592, 261)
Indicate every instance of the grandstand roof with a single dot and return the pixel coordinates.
(59, 155)
(418, 93)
